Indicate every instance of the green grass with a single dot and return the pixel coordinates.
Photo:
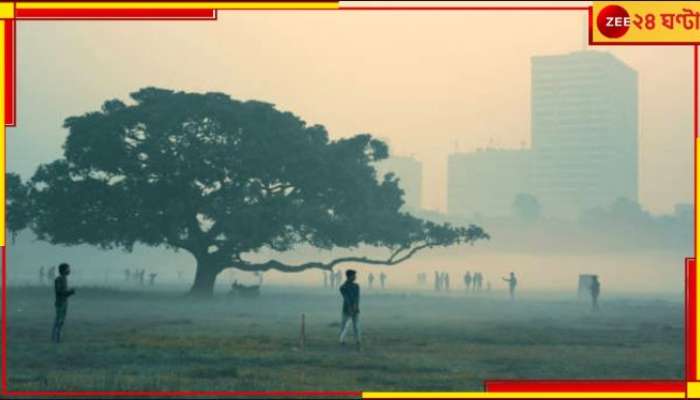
(127, 340)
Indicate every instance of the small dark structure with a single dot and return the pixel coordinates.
(240, 290)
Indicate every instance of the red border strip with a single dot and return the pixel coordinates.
(690, 320)
(10, 68)
(111, 14)
(585, 386)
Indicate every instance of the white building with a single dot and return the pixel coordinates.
(584, 131)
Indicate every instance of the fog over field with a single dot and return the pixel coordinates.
(237, 176)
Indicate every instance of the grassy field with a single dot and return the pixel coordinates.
(160, 340)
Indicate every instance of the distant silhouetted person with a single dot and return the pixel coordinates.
(62, 293)
(477, 281)
(370, 280)
(446, 281)
(142, 273)
(52, 273)
(382, 279)
(152, 278)
(42, 275)
(512, 283)
(438, 284)
(595, 292)
(351, 307)
(467, 280)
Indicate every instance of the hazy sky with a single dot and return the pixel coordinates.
(427, 81)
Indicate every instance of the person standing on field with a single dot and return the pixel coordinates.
(467, 280)
(62, 294)
(512, 283)
(351, 307)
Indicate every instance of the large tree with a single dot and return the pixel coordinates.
(221, 179)
(17, 204)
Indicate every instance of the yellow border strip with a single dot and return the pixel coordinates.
(7, 10)
(180, 5)
(523, 395)
(693, 389)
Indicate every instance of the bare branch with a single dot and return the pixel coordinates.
(277, 265)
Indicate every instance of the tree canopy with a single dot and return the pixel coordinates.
(221, 179)
(18, 206)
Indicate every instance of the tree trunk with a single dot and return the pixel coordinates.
(204, 279)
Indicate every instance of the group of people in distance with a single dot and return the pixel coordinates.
(138, 276)
(349, 290)
(45, 273)
(475, 282)
(442, 281)
(332, 279)
(382, 280)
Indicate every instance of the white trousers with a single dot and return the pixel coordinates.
(345, 327)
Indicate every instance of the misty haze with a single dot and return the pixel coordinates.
(505, 212)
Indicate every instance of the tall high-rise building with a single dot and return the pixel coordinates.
(584, 143)
(410, 174)
(584, 131)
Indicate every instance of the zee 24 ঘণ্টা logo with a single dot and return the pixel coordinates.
(613, 21)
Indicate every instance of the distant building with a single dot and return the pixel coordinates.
(486, 181)
(584, 131)
(584, 143)
(410, 174)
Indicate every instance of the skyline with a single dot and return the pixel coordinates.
(398, 85)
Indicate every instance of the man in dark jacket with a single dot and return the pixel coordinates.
(62, 293)
(351, 307)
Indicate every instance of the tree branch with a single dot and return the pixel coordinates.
(280, 266)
